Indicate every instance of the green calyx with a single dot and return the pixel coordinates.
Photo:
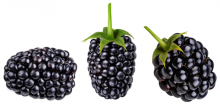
(110, 35)
(166, 45)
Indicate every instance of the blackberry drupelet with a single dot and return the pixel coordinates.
(111, 61)
(41, 73)
(183, 67)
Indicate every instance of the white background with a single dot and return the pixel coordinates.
(26, 24)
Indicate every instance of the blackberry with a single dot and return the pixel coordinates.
(41, 73)
(111, 62)
(183, 67)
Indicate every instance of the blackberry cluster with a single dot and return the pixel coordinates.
(41, 73)
(188, 75)
(111, 72)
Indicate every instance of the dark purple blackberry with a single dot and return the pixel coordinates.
(182, 67)
(111, 60)
(41, 73)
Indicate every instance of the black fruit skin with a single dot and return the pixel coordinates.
(188, 75)
(111, 73)
(41, 73)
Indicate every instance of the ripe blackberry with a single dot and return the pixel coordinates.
(41, 73)
(111, 61)
(182, 67)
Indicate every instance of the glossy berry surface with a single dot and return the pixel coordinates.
(41, 73)
(112, 72)
(187, 75)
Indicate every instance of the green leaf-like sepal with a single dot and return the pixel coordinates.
(119, 32)
(95, 35)
(105, 31)
(164, 39)
(173, 38)
(166, 45)
(163, 58)
(120, 41)
(175, 47)
(103, 42)
(163, 54)
(109, 34)
(159, 50)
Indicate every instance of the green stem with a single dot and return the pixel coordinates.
(162, 43)
(109, 29)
